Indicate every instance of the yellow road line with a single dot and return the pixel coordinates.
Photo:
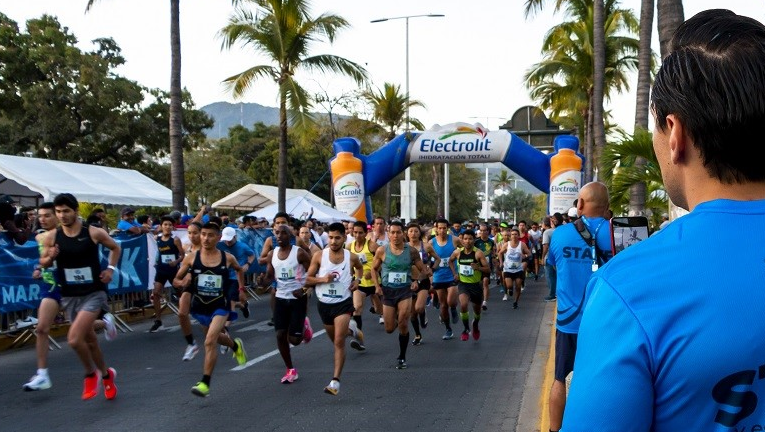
(544, 395)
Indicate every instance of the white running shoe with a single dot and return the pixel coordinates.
(333, 388)
(110, 330)
(191, 352)
(382, 321)
(38, 382)
(504, 297)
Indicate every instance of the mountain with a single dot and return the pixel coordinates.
(227, 115)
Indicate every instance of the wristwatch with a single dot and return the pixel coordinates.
(111, 267)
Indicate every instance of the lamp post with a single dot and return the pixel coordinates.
(407, 173)
(486, 166)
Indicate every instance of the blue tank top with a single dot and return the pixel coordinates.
(443, 273)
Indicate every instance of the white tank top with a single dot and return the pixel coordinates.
(513, 258)
(339, 290)
(289, 274)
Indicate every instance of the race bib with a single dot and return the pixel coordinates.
(362, 258)
(396, 278)
(166, 258)
(285, 273)
(209, 284)
(443, 263)
(515, 265)
(78, 276)
(466, 270)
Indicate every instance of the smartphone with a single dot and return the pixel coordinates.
(626, 231)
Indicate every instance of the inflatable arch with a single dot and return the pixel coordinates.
(355, 176)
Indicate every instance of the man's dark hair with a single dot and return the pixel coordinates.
(378, 217)
(47, 205)
(713, 80)
(211, 226)
(515, 230)
(166, 219)
(443, 221)
(142, 219)
(360, 224)
(469, 232)
(522, 222)
(397, 223)
(282, 215)
(98, 210)
(336, 227)
(93, 220)
(66, 199)
(25, 209)
(216, 220)
(558, 218)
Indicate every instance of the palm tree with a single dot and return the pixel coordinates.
(598, 77)
(389, 108)
(502, 180)
(283, 30)
(564, 81)
(177, 176)
(645, 65)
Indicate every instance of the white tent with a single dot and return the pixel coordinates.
(301, 208)
(255, 196)
(32, 180)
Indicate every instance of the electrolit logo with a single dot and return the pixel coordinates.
(350, 188)
(349, 192)
(568, 185)
(460, 144)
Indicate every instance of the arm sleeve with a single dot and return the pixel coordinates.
(611, 389)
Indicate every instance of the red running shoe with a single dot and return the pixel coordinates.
(110, 390)
(90, 386)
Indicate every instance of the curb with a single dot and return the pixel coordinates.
(534, 415)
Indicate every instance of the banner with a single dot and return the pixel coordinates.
(19, 291)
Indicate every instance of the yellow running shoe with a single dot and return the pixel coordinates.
(240, 355)
(201, 389)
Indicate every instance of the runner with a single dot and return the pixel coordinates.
(443, 281)
(74, 249)
(330, 273)
(467, 265)
(184, 302)
(288, 266)
(487, 246)
(245, 256)
(379, 233)
(420, 297)
(394, 262)
(512, 256)
(169, 254)
(305, 235)
(365, 250)
(211, 304)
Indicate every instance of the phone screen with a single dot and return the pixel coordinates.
(626, 231)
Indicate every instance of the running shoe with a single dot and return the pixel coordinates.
(110, 389)
(307, 330)
(504, 297)
(290, 377)
(476, 331)
(436, 304)
(191, 352)
(382, 321)
(424, 320)
(428, 301)
(550, 299)
(240, 355)
(502, 290)
(455, 316)
(90, 386)
(245, 309)
(515, 305)
(38, 382)
(372, 309)
(358, 346)
(401, 364)
(465, 335)
(333, 388)
(417, 340)
(223, 349)
(484, 307)
(448, 335)
(110, 330)
(156, 327)
(270, 322)
(201, 389)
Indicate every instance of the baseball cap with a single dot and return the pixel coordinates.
(6, 199)
(503, 225)
(572, 212)
(228, 234)
(127, 210)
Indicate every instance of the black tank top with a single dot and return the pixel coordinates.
(209, 284)
(166, 248)
(79, 264)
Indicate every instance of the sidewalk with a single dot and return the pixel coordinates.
(534, 415)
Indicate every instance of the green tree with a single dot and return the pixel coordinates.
(389, 108)
(503, 180)
(211, 175)
(516, 204)
(283, 31)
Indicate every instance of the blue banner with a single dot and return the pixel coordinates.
(255, 238)
(19, 291)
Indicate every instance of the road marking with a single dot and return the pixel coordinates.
(267, 355)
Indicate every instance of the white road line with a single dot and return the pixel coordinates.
(257, 360)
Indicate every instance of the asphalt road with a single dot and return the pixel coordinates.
(449, 385)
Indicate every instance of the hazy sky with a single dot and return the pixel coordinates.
(467, 64)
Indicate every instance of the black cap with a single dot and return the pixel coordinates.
(6, 199)
(127, 210)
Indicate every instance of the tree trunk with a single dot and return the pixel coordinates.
(436, 174)
(588, 165)
(177, 179)
(670, 15)
(282, 175)
(599, 72)
(638, 190)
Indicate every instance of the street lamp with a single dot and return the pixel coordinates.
(407, 173)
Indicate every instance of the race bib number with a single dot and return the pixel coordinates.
(443, 263)
(285, 273)
(166, 258)
(396, 278)
(78, 276)
(515, 265)
(466, 270)
(362, 258)
(209, 285)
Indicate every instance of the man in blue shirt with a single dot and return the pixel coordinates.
(244, 256)
(672, 335)
(128, 223)
(576, 251)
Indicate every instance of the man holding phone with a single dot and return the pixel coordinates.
(680, 346)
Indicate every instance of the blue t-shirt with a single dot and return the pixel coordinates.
(240, 250)
(125, 225)
(443, 273)
(572, 258)
(672, 335)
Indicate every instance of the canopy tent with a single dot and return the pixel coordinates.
(31, 180)
(301, 208)
(255, 196)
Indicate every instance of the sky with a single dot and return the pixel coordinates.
(467, 66)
